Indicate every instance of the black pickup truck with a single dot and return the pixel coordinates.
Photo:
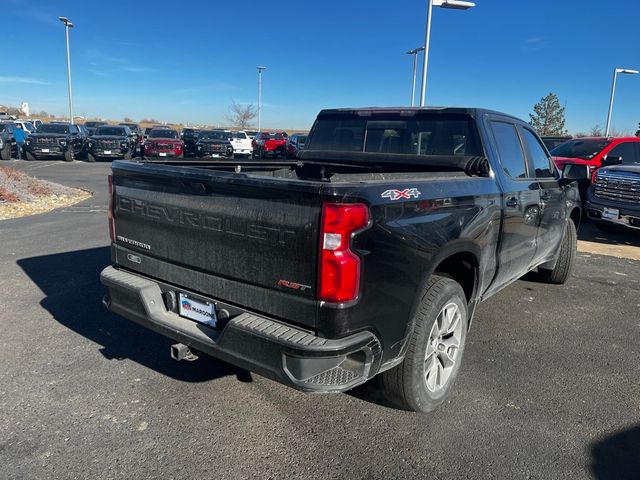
(614, 198)
(112, 141)
(366, 256)
(56, 140)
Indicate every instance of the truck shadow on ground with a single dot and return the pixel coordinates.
(617, 456)
(613, 235)
(73, 292)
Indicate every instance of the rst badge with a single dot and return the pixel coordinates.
(407, 193)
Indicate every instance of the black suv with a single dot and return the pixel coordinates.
(56, 140)
(112, 141)
(136, 130)
(91, 126)
(7, 142)
(190, 139)
(214, 143)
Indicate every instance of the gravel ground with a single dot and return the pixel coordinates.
(22, 195)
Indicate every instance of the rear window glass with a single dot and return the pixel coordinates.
(436, 134)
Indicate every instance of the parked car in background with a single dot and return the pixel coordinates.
(595, 152)
(241, 144)
(371, 260)
(92, 125)
(110, 142)
(7, 142)
(251, 134)
(56, 140)
(553, 142)
(614, 197)
(28, 127)
(214, 143)
(136, 130)
(267, 144)
(190, 139)
(35, 121)
(163, 142)
(295, 143)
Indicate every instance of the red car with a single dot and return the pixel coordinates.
(163, 142)
(269, 144)
(596, 152)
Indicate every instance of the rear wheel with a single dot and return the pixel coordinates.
(5, 153)
(424, 379)
(69, 156)
(30, 156)
(566, 258)
(128, 155)
(90, 157)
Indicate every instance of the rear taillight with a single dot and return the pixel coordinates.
(339, 266)
(112, 223)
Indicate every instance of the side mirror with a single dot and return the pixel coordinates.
(574, 172)
(607, 161)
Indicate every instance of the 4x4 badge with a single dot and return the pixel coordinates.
(407, 193)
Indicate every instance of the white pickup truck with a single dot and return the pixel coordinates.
(241, 143)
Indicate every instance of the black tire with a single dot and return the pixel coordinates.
(5, 153)
(406, 384)
(69, 156)
(261, 154)
(128, 155)
(90, 157)
(566, 258)
(30, 157)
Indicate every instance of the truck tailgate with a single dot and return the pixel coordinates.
(254, 230)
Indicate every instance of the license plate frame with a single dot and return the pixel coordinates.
(46, 150)
(610, 214)
(107, 152)
(197, 310)
(163, 154)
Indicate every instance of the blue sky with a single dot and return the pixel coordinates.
(188, 62)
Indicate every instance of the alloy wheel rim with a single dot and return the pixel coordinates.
(442, 347)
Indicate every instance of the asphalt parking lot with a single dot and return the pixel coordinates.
(550, 386)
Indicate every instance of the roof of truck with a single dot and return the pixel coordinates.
(410, 111)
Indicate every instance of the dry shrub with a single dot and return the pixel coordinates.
(8, 197)
(12, 173)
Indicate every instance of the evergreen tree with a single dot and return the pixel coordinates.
(548, 117)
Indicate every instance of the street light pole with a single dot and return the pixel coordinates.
(67, 26)
(616, 71)
(414, 52)
(260, 70)
(454, 4)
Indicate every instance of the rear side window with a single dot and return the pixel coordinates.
(625, 150)
(509, 149)
(538, 159)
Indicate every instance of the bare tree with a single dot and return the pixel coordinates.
(128, 120)
(596, 131)
(241, 116)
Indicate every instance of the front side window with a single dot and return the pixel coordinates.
(538, 159)
(626, 150)
(584, 149)
(509, 149)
